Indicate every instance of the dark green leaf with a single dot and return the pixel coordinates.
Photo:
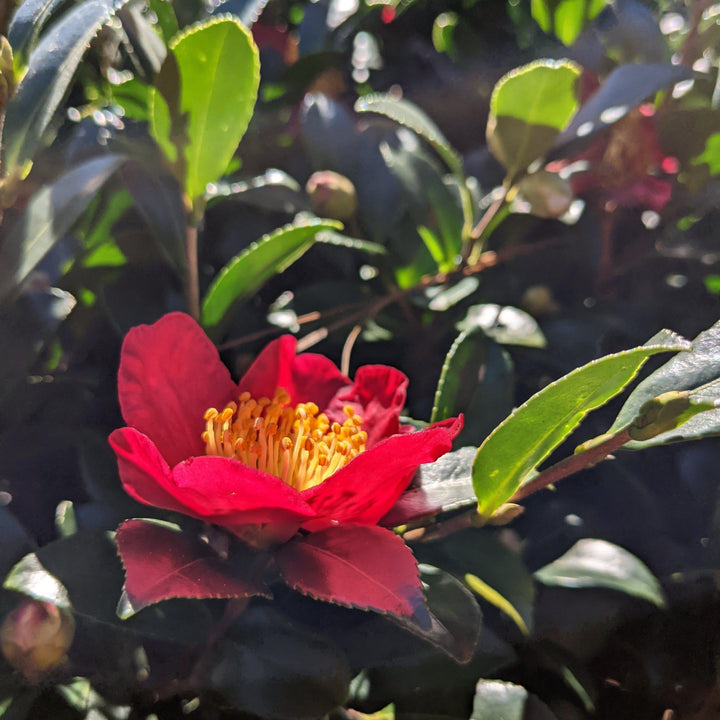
(15, 540)
(528, 108)
(271, 667)
(408, 114)
(477, 379)
(594, 563)
(697, 371)
(249, 270)
(528, 436)
(51, 68)
(27, 23)
(50, 213)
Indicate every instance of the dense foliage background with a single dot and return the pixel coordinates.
(484, 194)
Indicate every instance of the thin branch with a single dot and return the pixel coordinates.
(347, 349)
(192, 277)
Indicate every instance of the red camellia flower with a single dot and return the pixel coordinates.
(294, 446)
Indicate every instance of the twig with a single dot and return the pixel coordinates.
(347, 349)
(572, 464)
(192, 277)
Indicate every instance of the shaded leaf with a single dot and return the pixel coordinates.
(623, 89)
(477, 379)
(440, 486)
(249, 270)
(51, 68)
(247, 11)
(14, 540)
(27, 23)
(528, 108)
(528, 436)
(359, 566)
(51, 212)
(161, 563)
(273, 668)
(82, 573)
(592, 563)
(455, 618)
(495, 598)
(697, 371)
(408, 114)
(218, 72)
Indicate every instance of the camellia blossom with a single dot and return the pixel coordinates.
(295, 445)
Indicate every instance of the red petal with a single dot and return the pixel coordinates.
(214, 489)
(305, 377)
(161, 563)
(368, 486)
(362, 567)
(378, 396)
(170, 374)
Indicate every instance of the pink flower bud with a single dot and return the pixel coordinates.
(332, 195)
(35, 638)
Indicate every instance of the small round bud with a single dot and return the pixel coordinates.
(35, 638)
(332, 195)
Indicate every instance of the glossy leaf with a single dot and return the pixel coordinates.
(26, 25)
(528, 436)
(218, 72)
(504, 324)
(498, 700)
(528, 108)
(592, 563)
(440, 486)
(247, 11)
(51, 68)
(623, 89)
(364, 567)
(162, 563)
(271, 667)
(477, 379)
(50, 213)
(408, 114)
(697, 371)
(455, 617)
(249, 270)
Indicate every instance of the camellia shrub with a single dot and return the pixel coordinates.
(294, 358)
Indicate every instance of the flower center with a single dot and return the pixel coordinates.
(299, 445)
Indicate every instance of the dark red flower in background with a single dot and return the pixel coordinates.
(294, 445)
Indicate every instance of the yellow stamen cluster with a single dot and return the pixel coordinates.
(297, 444)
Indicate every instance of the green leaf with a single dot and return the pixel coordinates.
(567, 18)
(271, 667)
(698, 372)
(408, 114)
(592, 563)
(249, 270)
(495, 598)
(218, 72)
(477, 379)
(51, 68)
(528, 108)
(528, 436)
(26, 25)
(51, 212)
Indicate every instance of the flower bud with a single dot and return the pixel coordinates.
(332, 195)
(548, 195)
(35, 638)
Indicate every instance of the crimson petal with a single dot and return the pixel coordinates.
(170, 374)
(378, 396)
(214, 489)
(370, 484)
(163, 563)
(364, 567)
(305, 377)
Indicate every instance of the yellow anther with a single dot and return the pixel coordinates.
(298, 444)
